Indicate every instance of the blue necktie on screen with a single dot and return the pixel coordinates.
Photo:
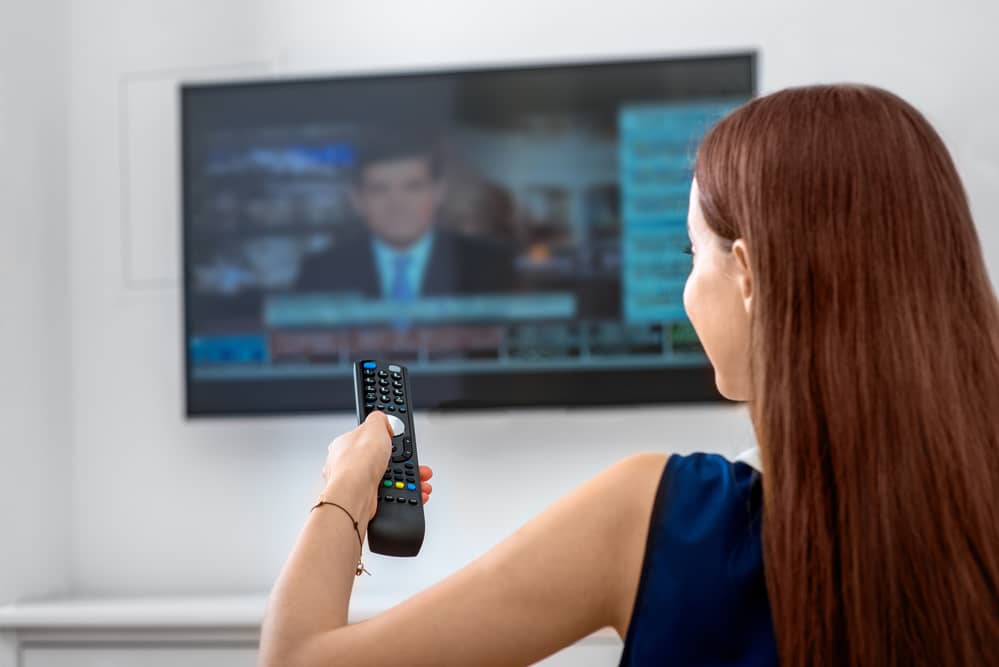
(401, 289)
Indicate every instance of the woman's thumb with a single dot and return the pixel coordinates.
(375, 417)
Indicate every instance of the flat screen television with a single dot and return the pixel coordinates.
(514, 235)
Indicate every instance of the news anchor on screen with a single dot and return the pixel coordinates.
(403, 252)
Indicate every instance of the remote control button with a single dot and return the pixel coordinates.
(399, 401)
(370, 397)
(389, 498)
(368, 372)
(393, 367)
(411, 486)
(412, 501)
(397, 392)
(400, 485)
(369, 406)
(402, 408)
(383, 382)
(390, 408)
(409, 465)
(387, 482)
(397, 384)
(398, 426)
(370, 364)
(380, 406)
(401, 499)
(385, 398)
(383, 374)
(396, 376)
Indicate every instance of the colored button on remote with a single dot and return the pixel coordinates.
(400, 485)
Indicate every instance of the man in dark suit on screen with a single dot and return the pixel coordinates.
(402, 253)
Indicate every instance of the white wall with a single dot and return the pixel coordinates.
(35, 495)
(161, 505)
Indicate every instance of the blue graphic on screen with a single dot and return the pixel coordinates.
(656, 152)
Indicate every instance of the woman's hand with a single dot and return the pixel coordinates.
(361, 455)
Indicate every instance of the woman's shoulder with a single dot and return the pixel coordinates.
(702, 584)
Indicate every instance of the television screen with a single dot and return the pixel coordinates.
(514, 236)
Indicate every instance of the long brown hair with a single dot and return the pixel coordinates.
(875, 375)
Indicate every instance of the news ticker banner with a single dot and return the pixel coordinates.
(291, 310)
(656, 150)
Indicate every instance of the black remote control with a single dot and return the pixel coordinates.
(398, 525)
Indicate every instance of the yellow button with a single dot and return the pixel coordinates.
(400, 485)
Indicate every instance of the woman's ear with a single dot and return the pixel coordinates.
(744, 275)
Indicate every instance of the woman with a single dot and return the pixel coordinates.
(838, 287)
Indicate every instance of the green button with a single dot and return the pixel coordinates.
(387, 482)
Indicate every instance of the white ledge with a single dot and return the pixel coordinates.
(151, 613)
(242, 611)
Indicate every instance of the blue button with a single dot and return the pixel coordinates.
(369, 364)
(411, 486)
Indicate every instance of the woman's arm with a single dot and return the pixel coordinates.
(568, 572)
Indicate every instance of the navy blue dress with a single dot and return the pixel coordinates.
(702, 599)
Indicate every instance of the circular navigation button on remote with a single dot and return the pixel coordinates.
(398, 426)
